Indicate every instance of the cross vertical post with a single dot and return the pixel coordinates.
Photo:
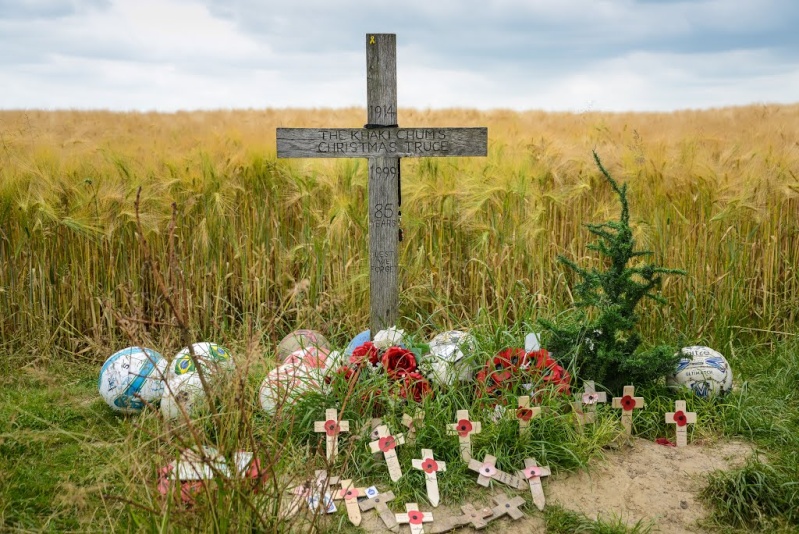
(383, 143)
(384, 172)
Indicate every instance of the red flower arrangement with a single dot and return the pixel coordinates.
(399, 364)
(511, 367)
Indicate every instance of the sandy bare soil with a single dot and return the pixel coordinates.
(641, 481)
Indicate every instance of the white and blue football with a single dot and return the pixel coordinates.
(703, 370)
(131, 378)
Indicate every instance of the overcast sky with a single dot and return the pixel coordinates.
(571, 55)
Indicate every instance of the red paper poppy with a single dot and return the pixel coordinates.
(532, 472)
(680, 418)
(627, 403)
(397, 360)
(387, 443)
(463, 427)
(366, 352)
(415, 517)
(429, 465)
(349, 493)
(509, 358)
(488, 470)
(331, 427)
(525, 414)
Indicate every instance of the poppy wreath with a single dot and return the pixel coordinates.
(398, 363)
(512, 366)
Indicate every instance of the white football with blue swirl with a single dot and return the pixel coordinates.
(703, 370)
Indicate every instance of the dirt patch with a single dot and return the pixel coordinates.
(643, 481)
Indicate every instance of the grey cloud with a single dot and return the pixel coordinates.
(47, 9)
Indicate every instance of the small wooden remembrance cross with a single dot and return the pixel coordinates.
(378, 502)
(681, 417)
(477, 519)
(524, 413)
(509, 507)
(464, 428)
(332, 427)
(383, 143)
(350, 494)
(413, 424)
(386, 443)
(532, 474)
(488, 471)
(628, 402)
(430, 468)
(590, 399)
(414, 518)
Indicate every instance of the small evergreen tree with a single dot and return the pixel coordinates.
(603, 346)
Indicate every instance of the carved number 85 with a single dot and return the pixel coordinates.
(384, 211)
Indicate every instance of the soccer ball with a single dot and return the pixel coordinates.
(132, 377)
(210, 355)
(186, 390)
(357, 341)
(285, 383)
(301, 339)
(703, 370)
(447, 361)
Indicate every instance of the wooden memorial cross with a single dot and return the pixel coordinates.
(386, 443)
(412, 424)
(350, 494)
(414, 518)
(681, 417)
(488, 471)
(532, 474)
(590, 399)
(378, 502)
(524, 413)
(628, 402)
(332, 427)
(383, 143)
(477, 519)
(505, 506)
(430, 468)
(464, 428)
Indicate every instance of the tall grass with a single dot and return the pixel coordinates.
(267, 245)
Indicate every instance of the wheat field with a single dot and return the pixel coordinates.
(266, 245)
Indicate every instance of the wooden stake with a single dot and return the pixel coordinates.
(505, 506)
(627, 403)
(386, 444)
(414, 518)
(488, 471)
(412, 423)
(430, 468)
(332, 427)
(477, 519)
(681, 417)
(524, 413)
(532, 474)
(350, 494)
(464, 428)
(379, 503)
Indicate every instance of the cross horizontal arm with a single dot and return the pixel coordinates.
(376, 142)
